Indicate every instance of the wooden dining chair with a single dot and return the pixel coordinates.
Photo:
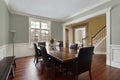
(74, 46)
(83, 62)
(38, 54)
(41, 43)
(46, 65)
(45, 56)
(60, 43)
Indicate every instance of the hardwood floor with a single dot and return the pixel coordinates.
(26, 70)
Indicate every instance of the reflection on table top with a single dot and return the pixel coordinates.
(62, 54)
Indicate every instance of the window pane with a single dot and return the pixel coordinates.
(39, 31)
(44, 31)
(35, 32)
(34, 35)
(32, 32)
(34, 39)
(44, 26)
(32, 23)
(38, 25)
(33, 26)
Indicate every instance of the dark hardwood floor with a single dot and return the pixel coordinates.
(26, 70)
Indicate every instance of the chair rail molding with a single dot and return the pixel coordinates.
(3, 50)
(115, 56)
(20, 50)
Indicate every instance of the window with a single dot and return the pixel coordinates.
(39, 30)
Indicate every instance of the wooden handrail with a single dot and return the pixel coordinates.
(99, 31)
(84, 39)
(97, 34)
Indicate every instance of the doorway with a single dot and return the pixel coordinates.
(97, 13)
(67, 37)
(80, 33)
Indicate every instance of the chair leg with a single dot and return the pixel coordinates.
(36, 60)
(12, 72)
(90, 74)
(76, 77)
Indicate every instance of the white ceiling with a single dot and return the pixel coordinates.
(55, 9)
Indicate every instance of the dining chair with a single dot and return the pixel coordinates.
(41, 43)
(60, 43)
(38, 54)
(45, 56)
(48, 62)
(46, 65)
(74, 46)
(83, 62)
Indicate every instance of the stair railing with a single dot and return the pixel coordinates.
(83, 39)
(98, 36)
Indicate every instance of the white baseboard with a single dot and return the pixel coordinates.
(3, 51)
(115, 56)
(100, 52)
(20, 50)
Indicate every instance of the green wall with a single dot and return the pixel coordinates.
(115, 18)
(115, 23)
(21, 25)
(4, 23)
(57, 30)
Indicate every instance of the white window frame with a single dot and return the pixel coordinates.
(39, 20)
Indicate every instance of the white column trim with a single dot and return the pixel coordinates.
(115, 54)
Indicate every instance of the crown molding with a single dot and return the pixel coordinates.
(51, 19)
(103, 11)
(34, 16)
(29, 15)
(87, 9)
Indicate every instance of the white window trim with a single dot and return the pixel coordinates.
(40, 20)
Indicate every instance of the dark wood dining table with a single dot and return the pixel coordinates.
(61, 54)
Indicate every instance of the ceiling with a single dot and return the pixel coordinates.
(54, 9)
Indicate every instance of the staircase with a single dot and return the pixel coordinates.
(100, 47)
(98, 41)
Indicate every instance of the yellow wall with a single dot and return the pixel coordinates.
(94, 25)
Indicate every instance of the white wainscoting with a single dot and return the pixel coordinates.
(3, 51)
(100, 52)
(20, 50)
(115, 56)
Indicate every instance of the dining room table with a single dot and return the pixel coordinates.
(61, 55)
